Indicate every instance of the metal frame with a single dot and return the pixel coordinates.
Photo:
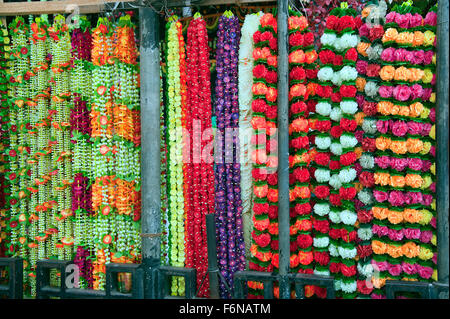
(14, 288)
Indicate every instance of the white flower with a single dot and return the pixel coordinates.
(365, 233)
(347, 175)
(336, 148)
(366, 270)
(321, 272)
(325, 74)
(348, 140)
(323, 142)
(369, 126)
(334, 217)
(365, 196)
(336, 114)
(333, 250)
(366, 161)
(347, 253)
(336, 79)
(322, 175)
(348, 217)
(374, 52)
(321, 242)
(348, 73)
(337, 284)
(349, 107)
(328, 39)
(321, 209)
(335, 182)
(371, 89)
(323, 108)
(348, 287)
(347, 41)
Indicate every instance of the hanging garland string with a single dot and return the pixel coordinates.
(200, 189)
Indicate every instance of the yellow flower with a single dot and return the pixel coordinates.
(425, 253)
(433, 168)
(433, 97)
(426, 148)
(425, 112)
(427, 216)
(433, 132)
(427, 76)
(434, 59)
(434, 276)
(433, 204)
(434, 239)
(429, 38)
(426, 182)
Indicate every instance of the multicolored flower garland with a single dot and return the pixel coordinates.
(199, 173)
(264, 248)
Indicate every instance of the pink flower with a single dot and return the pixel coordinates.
(399, 128)
(380, 196)
(415, 197)
(424, 272)
(395, 235)
(427, 199)
(432, 115)
(414, 128)
(364, 30)
(380, 265)
(425, 236)
(383, 161)
(400, 54)
(416, 91)
(418, 57)
(360, 100)
(433, 187)
(399, 164)
(409, 56)
(433, 222)
(359, 135)
(433, 80)
(430, 18)
(377, 296)
(411, 233)
(426, 164)
(426, 128)
(415, 20)
(415, 163)
(361, 66)
(385, 91)
(395, 270)
(390, 17)
(408, 268)
(388, 54)
(382, 126)
(403, 20)
(434, 258)
(433, 150)
(428, 57)
(396, 198)
(402, 92)
(427, 93)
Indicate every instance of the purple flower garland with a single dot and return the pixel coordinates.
(228, 203)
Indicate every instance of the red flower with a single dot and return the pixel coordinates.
(304, 241)
(335, 267)
(257, 36)
(271, 111)
(347, 193)
(370, 108)
(259, 174)
(338, 59)
(368, 144)
(348, 271)
(303, 209)
(321, 292)
(334, 233)
(300, 142)
(266, 36)
(346, 22)
(273, 211)
(351, 54)
(322, 159)
(373, 70)
(301, 174)
(376, 32)
(322, 191)
(259, 71)
(293, 246)
(334, 165)
(324, 91)
(311, 73)
(274, 245)
(298, 107)
(366, 179)
(272, 179)
(336, 97)
(362, 287)
(271, 77)
(348, 125)
(273, 44)
(260, 208)
(364, 216)
(321, 257)
(364, 251)
(347, 158)
(335, 200)
(308, 39)
(323, 126)
(322, 226)
(336, 131)
(262, 240)
(326, 56)
(358, 22)
(297, 73)
(296, 39)
(331, 22)
(347, 90)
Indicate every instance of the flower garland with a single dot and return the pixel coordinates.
(228, 203)
(302, 74)
(404, 210)
(175, 219)
(81, 147)
(245, 82)
(368, 66)
(339, 37)
(265, 162)
(199, 169)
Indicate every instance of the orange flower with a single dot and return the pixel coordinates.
(380, 212)
(414, 145)
(390, 34)
(360, 83)
(387, 73)
(382, 143)
(410, 249)
(399, 147)
(381, 178)
(404, 110)
(405, 38)
(413, 180)
(297, 90)
(411, 215)
(394, 251)
(273, 228)
(310, 56)
(395, 217)
(298, 56)
(261, 191)
(311, 88)
(297, 22)
(418, 38)
(379, 247)
(358, 151)
(259, 88)
(395, 109)
(299, 125)
(402, 74)
(397, 181)
(384, 107)
(378, 282)
(362, 47)
(366, 11)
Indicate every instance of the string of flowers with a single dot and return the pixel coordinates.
(368, 66)
(403, 212)
(341, 24)
(174, 133)
(302, 74)
(245, 82)
(200, 185)
(81, 147)
(228, 203)
(263, 153)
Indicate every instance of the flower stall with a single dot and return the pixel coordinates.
(224, 149)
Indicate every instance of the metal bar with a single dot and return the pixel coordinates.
(442, 145)
(150, 141)
(182, 3)
(283, 147)
(213, 269)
